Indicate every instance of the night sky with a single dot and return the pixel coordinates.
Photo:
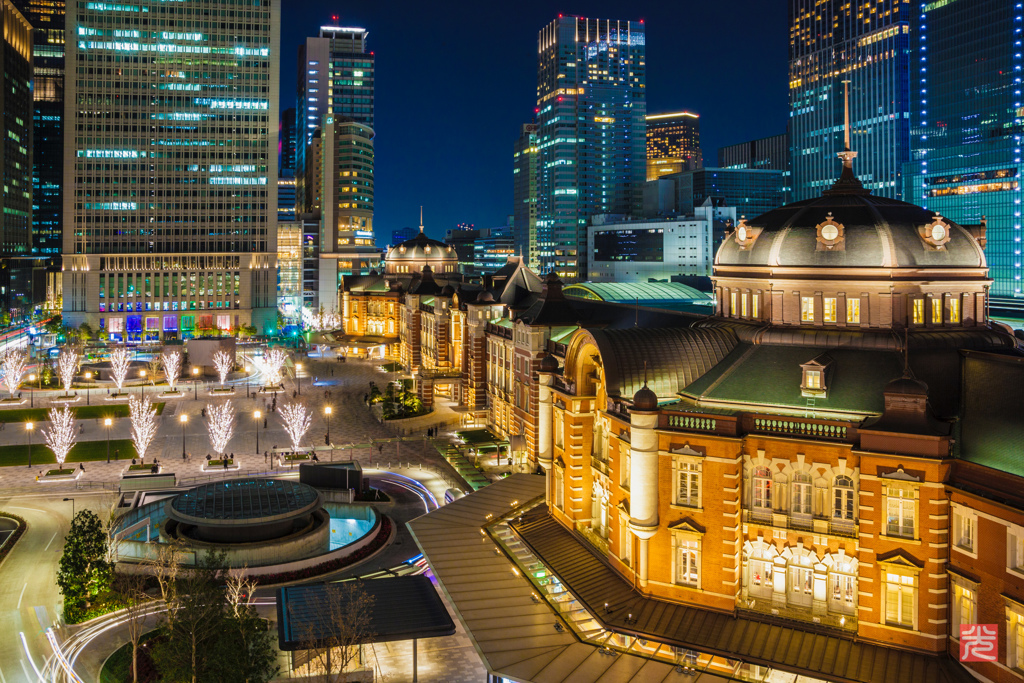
(455, 80)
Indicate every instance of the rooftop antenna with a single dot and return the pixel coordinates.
(421, 218)
(847, 155)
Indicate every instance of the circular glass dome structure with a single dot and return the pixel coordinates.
(245, 511)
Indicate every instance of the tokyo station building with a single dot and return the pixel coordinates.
(820, 481)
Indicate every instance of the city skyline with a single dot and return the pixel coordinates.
(459, 156)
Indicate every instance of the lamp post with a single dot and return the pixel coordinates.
(106, 423)
(195, 383)
(32, 394)
(29, 426)
(72, 506)
(256, 416)
(298, 369)
(327, 411)
(142, 387)
(88, 378)
(183, 420)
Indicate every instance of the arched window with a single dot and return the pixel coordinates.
(842, 499)
(842, 587)
(761, 583)
(802, 489)
(801, 580)
(762, 500)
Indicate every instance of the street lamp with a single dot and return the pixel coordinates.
(32, 395)
(88, 377)
(72, 507)
(298, 369)
(29, 426)
(142, 387)
(327, 411)
(256, 416)
(195, 383)
(106, 423)
(183, 419)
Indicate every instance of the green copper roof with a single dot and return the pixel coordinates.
(991, 429)
(648, 293)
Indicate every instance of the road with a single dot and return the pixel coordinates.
(29, 599)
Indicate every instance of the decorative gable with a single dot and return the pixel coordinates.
(814, 376)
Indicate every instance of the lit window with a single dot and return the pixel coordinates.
(900, 593)
(918, 311)
(625, 541)
(937, 311)
(853, 311)
(964, 528)
(753, 304)
(801, 494)
(842, 587)
(963, 607)
(842, 499)
(762, 574)
(762, 488)
(743, 305)
(900, 511)
(812, 379)
(954, 309)
(559, 485)
(732, 303)
(807, 309)
(1015, 636)
(688, 484)
(1015, 549)
(625, 464)
(687, 562)
(830, 310)
(801, 580)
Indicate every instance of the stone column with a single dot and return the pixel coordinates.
(643, 481)
(545, 442)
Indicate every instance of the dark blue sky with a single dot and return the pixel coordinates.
(455, 80)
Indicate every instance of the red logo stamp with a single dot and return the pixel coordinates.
(979, 642)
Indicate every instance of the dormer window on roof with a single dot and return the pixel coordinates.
(814, 377)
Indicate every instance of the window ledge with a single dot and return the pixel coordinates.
(965, 551)
(683, 506)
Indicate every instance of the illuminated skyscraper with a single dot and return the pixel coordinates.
(336, 76)
(287, 141)
(170, 213)
(47, 20)
(868, 44)
(967, 119)
(673, 143)
(591, 104)
(524, 192)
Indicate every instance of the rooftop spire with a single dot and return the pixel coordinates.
(421, 218)
(848, 182)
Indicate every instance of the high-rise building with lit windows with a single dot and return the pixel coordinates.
(524, 192)
(171, 172)
(287, 141)
(831, 41)
(335, 76)
(591, 104)
(967, 121)
(47, 20)
(673, 143)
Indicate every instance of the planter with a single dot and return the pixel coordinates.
(59, 475)
(13, 401)
(142, 469)
(209, 466)
(118, 397)
(293, 460)
(171, 394)
(227, 391)
(68, 399)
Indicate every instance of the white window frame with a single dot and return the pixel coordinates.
(1015, 636)
(625, 540)
(800, 581)
(559, 488)
(841, 495)
(964, 530)
(842, 587)
(761, 488)
(1015, 552)
(801, 500)
(904, 584)
(902, 500)
(829, 307)
(688, 470)
(853, 311)
(625, 463)
(761, 584)
(963, 608)
(686, 559)
(807, 309)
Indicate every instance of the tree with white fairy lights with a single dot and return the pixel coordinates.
(221, 425)
(321, 320)
(272, 364)
(60, 437)
(172, 367)
(120, 362)
(297, 421)
(67, 366)
(223, 362)
(142, 415)
(13, 364)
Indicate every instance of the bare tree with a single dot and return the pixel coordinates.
(153, 369)
(343, 623)
(130, 587)
(120, 362)
(239, 589)
(165, 567)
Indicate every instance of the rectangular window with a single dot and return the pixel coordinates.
(807, 309)
(687, 562)
(899, 600)
(1015, 548)
(900, 513)
(688, 484)
(964, 522)
(937, 311)
(559, 428)
(754, 298)
(624, 466)
(963, 608)
(853, 311)
(625, 542)
(1015, 637)
(954, 309)
(743, 305)
(732, 303)
(812, 379)
(918, 317)
(830, 309)
(559, 484)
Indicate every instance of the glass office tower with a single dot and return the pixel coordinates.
(967, 127)
(868, 44)
(47, 20)
(591, 106)
(287, 141)
(673, 143)
(524, 192)
(171, 173)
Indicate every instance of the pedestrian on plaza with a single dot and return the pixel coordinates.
(265, 458)
(204, 412)
(81, 466)
(208, 458)
(117, 454)
(225, 463)
(295, 394)
(264, 423)
(133, 461)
